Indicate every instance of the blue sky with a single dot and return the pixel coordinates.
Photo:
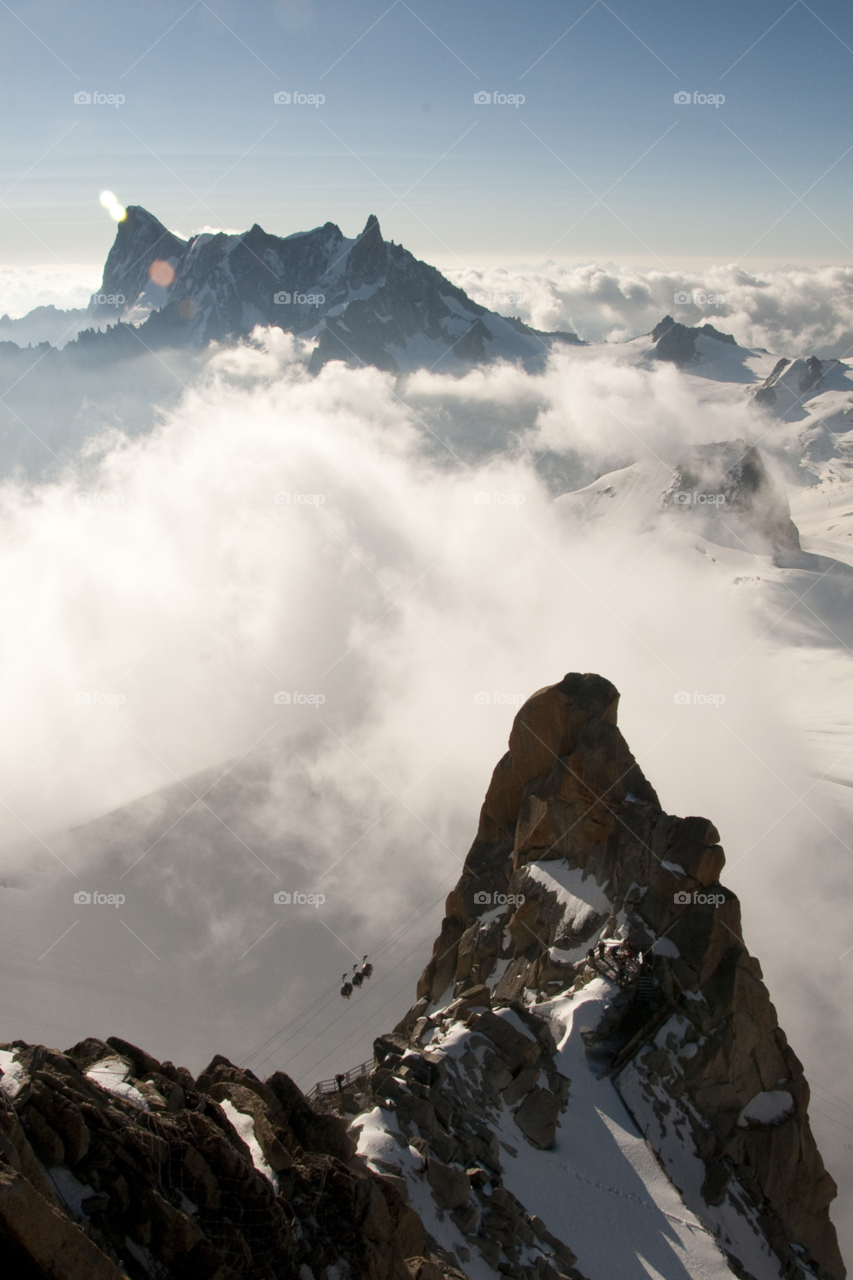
(599, 162)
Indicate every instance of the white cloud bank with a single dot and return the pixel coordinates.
(795, 311)
(163, 572)
(63, 286)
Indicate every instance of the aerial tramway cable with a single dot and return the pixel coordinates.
(319, 1003)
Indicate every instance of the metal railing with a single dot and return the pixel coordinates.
(324, 1087)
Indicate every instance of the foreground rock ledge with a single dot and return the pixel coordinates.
(114, 1164)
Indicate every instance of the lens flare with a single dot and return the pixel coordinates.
(162, 273)
(114, 209)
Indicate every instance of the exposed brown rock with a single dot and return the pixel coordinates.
(537, 1117)
(179, 1182)
(698, 1044)
(451, 1186)
(570, 789)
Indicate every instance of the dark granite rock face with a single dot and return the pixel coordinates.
(113, 1164)
(364, 301)
(676, 342)
(141, 241)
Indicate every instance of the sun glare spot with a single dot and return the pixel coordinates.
(114, 209)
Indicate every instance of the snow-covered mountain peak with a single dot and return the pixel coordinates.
(363, 300)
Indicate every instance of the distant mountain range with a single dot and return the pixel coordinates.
(366, 300)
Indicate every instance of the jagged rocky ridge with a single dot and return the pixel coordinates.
(676, 343)
(113, 1165)
(590, 992)
(367, 301)
(689, 1040)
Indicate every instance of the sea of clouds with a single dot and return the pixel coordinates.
(795, 311)
(330, 538)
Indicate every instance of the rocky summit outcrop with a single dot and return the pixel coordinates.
(592, 1076)
(676, 342)
(726, 487)
(113, 1164)
(142, 244)
(364, 300)
(586, 915)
